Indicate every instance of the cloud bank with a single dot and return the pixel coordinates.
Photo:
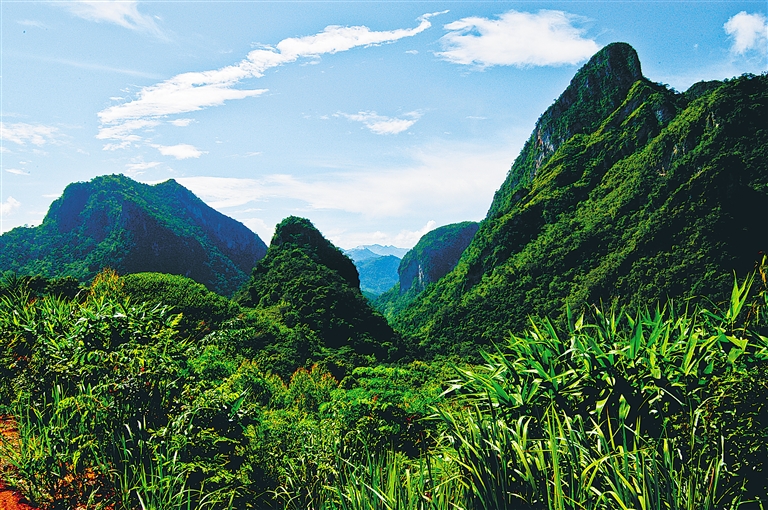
(547, 38)
(10, 205)
(193, 91)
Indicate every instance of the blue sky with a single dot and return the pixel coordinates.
(378, 121)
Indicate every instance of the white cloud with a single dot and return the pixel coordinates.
(449, 180)
(407, 239)
(547, 38)
(402, 239)
(16, 171)
(749, 32)
(182, 122)
(21, 133)
(120, 12)
(382, 125)
(31, 23)
(264, 231)
(10, 205)
(180, 151)
(194, 91)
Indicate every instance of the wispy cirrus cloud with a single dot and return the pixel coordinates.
(22, 133)
(120, 12)
(381, 125)
(546, 38)
(31, 23)
(193, 91)
(749, 32)
(180, 151)
(16, 171)
(437, 180)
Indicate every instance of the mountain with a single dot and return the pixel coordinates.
(378, 274)
(113, 221)
(377, 266)
(627, 192)
(385, 250)
(434, 256)
(306, 283)
(360, 254)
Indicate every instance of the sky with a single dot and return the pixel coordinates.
(378, 121)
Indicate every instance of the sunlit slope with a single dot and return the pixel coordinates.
(666, 196)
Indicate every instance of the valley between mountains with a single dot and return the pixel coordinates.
(599, 340)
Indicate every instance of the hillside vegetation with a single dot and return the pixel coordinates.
(649, 196)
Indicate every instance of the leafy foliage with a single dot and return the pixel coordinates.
(202, 311)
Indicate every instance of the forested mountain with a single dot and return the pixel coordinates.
(627, 192)
(113, 221)
(308, 285)
(434, 256)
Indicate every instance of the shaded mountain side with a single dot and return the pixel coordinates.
(113, 221)
(436, 253)
(307, 284)
(434, 256)
(663, 197)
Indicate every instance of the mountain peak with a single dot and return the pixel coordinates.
(301, 233)
(597, 89)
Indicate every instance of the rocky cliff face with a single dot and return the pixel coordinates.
(113, 221)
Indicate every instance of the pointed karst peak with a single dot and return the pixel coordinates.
(302, 234)
(595, 91)
(616, 62)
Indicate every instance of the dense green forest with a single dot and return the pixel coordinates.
(599, 341)
(113, 221)
(630, 196)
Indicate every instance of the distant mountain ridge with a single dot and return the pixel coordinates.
(114, 221)
(626, 192)
(377, 266)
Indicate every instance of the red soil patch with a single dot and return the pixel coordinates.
(10, 499)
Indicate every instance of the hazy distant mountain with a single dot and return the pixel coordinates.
(113, 221)
(626, 192)
(377, 266)
(384, 250)
(360, 254)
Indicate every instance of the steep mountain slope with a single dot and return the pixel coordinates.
(132, 227)
(434, 256)
(306, 283)
(626, 192)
